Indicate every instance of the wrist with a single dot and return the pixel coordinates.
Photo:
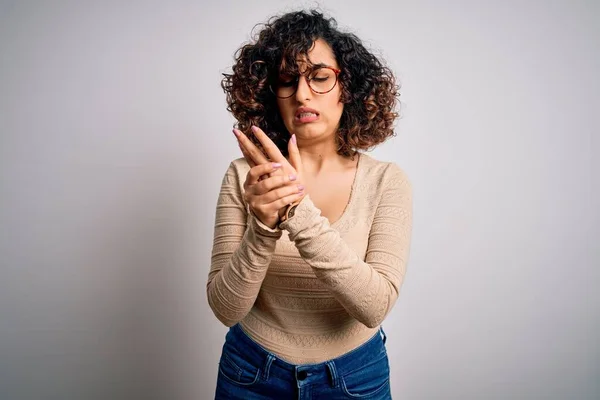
(288, 213)
(270, 224)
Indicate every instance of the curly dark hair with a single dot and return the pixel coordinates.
(368, 88)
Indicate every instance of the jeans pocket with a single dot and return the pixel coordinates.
(371, 380)
(234, 368)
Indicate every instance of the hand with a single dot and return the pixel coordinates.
(254, 156)
(267, 197)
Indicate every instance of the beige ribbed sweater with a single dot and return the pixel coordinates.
(314, 290)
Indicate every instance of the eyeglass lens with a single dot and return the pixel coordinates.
(321, 80)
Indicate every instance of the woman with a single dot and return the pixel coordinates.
(305, 307)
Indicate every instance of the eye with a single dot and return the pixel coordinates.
(287, 80)
(320, 75)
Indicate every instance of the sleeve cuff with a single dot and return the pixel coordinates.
(305, 212)
(263, 229)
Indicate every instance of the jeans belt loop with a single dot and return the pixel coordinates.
(267, 367)
(335, 380)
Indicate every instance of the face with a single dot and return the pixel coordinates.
(311, 115)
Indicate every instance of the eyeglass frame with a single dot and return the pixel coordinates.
(335, 71)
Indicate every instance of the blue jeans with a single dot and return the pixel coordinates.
(247, 371)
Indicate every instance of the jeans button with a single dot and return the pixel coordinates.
(302, 375)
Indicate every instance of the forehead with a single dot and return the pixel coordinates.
(320, 53)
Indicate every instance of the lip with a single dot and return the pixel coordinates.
(301, 110)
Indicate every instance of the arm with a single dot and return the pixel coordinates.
(240, 256)
(367, 289)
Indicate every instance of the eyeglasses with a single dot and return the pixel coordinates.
(321, 80)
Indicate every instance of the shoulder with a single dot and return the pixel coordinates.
(237, 170)
(385, 173)
(239, 164)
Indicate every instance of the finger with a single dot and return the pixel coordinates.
(282, 192)
(294, 154)
(277, 199)
(250, 160)
(257, 171)
(254, 152)
(272, 182)
(272, 150)
(287, 200)
(247, 156)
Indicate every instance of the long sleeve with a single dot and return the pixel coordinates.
(241, 253)
(366, 289)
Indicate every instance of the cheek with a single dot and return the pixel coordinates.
(337, 107)
(285, 110)
(286, 114)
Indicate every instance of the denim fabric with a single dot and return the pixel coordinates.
(247, 372)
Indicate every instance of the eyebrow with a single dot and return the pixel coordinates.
(320, 65)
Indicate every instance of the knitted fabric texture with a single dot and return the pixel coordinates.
(312, 290)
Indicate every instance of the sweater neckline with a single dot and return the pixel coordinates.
(346, 211)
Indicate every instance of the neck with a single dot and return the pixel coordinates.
(320, 156)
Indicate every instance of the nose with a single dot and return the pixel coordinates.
(303, 91)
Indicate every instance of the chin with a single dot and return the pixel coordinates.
(307, 132)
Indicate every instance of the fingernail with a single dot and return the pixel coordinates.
(276, 165)
(294, 138)
(300, 187)
(254, 128)
(236, 133)
(293, 177)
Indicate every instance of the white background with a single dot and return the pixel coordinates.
(114, 138)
